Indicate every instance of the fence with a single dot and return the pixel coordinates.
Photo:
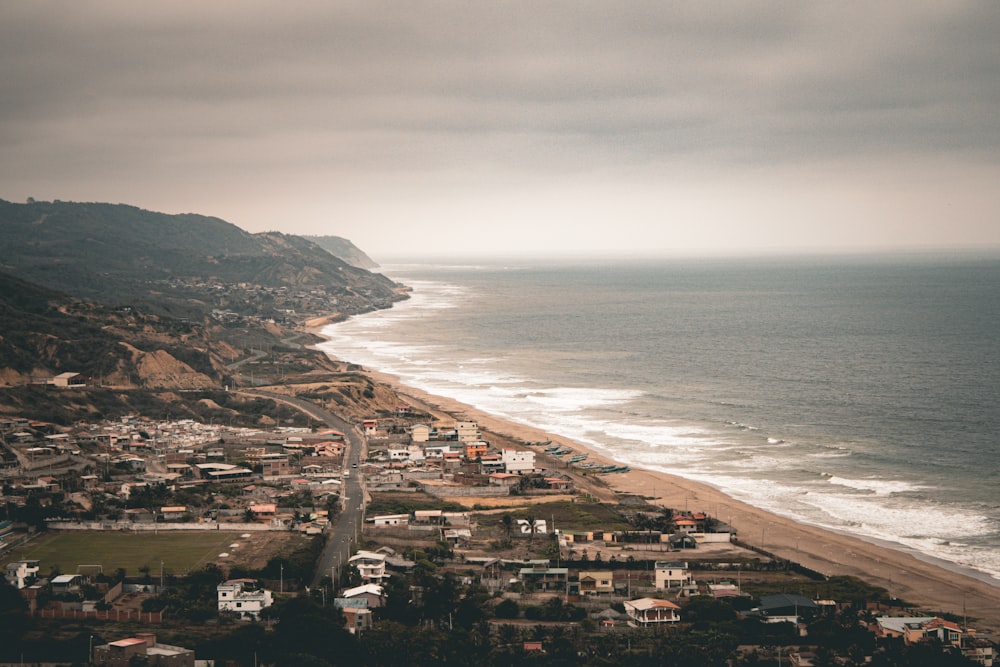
(107, 615)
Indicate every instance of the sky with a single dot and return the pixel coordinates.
(519, 128)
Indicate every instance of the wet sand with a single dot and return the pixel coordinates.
(933, 586)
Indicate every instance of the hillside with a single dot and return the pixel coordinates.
(134, 363)
(181, 265)
(345, 250)
(45, 333)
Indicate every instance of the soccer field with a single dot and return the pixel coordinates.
(180, 552)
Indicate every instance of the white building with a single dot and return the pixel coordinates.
(19, 574)
(437, 451)
(414, 453)
(518, 460)
(386, 520)
(671, 574)
(244, 597)
(539, 527)
(370, 565)
(67, 583)
(69, 379)
(651, 611)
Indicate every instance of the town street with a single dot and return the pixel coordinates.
(344, 530)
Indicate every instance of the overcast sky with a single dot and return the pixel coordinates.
(518, 127)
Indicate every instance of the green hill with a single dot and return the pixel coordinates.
(182, 265)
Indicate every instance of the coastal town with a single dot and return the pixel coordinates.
(527, 533)
(186, 478)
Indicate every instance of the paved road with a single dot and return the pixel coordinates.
(343, 533)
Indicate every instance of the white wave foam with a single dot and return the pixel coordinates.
(741, 426)
(831, 453)
(574, 399)
(879, 487)
(768, 472)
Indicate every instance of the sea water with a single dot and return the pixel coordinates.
(856, 393)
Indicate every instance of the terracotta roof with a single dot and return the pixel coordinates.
(643, 604)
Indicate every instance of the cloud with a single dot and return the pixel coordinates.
(472, 121)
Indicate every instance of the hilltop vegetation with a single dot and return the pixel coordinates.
(179, 265)
(142, 304)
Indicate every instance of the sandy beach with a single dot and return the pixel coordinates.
(932, 586)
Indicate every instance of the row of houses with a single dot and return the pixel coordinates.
(670, 576)
(489, 459)
(246, 599)
(916, 630)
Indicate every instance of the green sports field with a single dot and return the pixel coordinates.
(180, 552)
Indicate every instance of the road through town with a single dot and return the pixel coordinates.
(344, 530)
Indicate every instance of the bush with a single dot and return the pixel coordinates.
(508, 609)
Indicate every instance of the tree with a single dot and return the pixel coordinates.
(507, 521)
(306, 628)
(14, 622)
(532, 527)
(507, 609)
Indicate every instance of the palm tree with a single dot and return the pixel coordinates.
(508, 525)
(532, 527)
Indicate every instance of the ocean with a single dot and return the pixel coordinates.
(860, 394)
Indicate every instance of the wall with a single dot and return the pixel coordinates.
(126, 526)
(466, 491)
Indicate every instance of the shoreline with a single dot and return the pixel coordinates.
(928, 583)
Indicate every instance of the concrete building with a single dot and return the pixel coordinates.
(671, 574)
(68, 583)
(68, 380)
(370, 565)
(475, 449)
(143, 647)
(357, 619)
(244, 597)
(387, 520)
(518, 460)
(21, 573)
(467, 431)
(275, 465)
(597, 582)
(540, 576)
(373, 593)
(651, 611)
